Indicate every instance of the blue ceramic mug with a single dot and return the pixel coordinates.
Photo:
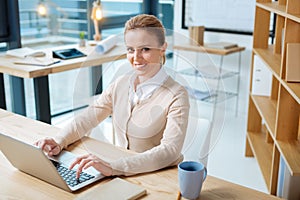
(191, 175)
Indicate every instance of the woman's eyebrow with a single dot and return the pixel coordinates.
(143, 46)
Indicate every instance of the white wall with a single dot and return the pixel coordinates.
(243, 40)
(186, 59)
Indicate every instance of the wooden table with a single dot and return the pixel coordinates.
(162, 184)
(40, 75)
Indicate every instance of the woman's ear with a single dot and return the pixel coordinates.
(164, 47)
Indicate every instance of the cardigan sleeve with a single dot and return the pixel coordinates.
(168, 152)
(84, 122)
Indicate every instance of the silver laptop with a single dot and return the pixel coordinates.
(32, 160)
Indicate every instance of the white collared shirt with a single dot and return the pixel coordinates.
(146, 89)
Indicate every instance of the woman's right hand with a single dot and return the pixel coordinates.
(49, 146)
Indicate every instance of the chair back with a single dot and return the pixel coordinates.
(197, 141)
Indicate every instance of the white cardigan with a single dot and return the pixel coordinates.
(155, 127)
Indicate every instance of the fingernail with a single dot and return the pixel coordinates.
(48, 147)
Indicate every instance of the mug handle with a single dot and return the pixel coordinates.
(205, 174)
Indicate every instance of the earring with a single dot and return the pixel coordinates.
(162, 60)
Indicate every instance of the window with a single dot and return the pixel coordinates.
(61, 25)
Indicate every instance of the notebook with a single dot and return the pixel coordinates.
(116, 189)
(42, 62)
(20, 52)
(33, 161)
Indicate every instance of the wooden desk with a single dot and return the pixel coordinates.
(162, 184)
(40, 75)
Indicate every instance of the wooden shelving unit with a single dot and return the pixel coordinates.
(273, 128)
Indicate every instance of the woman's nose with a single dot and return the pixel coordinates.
(137, 53)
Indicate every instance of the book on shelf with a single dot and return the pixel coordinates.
(221, 45)
(293, 62)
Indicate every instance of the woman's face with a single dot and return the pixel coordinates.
(144, 52)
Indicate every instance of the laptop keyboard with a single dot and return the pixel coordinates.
(70, 175)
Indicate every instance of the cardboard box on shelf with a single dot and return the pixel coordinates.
(293, 62)
(196, 34)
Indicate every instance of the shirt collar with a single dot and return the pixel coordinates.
(146, 89)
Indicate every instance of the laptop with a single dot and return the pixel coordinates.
(54, 170)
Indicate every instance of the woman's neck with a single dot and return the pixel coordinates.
(138, 80)
(141, 79)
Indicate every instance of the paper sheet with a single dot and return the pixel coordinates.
(106, 44)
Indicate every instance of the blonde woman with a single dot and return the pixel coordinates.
(149, 109)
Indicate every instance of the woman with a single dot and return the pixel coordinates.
(149, 109)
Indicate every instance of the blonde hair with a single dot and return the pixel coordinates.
(149, 23)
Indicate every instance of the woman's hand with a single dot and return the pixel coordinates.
(49, 146)
(91, 160)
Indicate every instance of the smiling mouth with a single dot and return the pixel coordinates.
(140, 66)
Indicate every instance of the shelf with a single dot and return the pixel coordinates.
(295, 18)
(267, 109)
(210, 72)
(272, 60)
(211, 76)
(210, 96)
(198, 94)
(220, 96)
(262, 152)
(293, 89)
(273, 7)
(290, 151)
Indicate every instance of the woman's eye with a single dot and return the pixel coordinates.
(130, 50)
(145, 49)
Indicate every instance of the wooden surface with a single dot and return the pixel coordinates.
(188, 47)
(7, 65)
(267, 109)
(162, 184)
(281, 9)
(272, 60)
(261, 32)
(262, 152)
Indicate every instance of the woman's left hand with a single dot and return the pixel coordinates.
(91, 160)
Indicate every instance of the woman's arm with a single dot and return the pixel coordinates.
(84, 122)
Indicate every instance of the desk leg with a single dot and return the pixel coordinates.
(238, 84)
(42, 99)
(2, 93)
(96, 77)
(18, 95)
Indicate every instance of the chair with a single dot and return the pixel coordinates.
(197, 141)
(104, 131)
